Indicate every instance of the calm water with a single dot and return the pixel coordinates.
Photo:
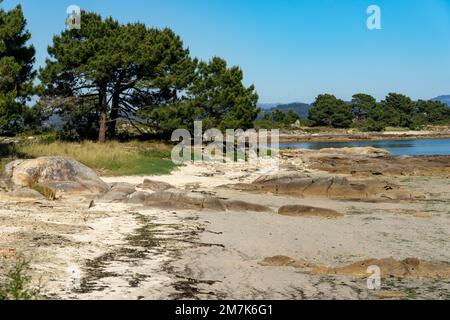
(396, 148)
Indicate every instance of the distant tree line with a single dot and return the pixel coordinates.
(396, 110)
(107, 71)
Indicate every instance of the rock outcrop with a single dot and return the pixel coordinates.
(177, 199)
(386, 166)
(155, 185)
(369, 152)
(307, 211)
(334, 187)
(63, 176)
(118, 192)
(410, 268)
(26, 193)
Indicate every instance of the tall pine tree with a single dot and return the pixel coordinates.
(16, 69)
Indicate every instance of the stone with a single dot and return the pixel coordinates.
(63, 175)
(26, 193)
(307, 211)
(390, 295)
(8, 253)
(277, 261)
(119, 192)
(413, 213)
(177, 199)
(155, 185)
(385, 166)
(333, 187)
(410, 268)
(357, 151)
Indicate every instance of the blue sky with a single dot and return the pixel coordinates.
(292, 50)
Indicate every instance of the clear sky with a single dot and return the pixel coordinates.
(292, 50)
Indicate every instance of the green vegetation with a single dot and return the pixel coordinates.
(396, 110)
(16, 70)
(329, 111)
(16, 284)
(281, 119)
(114, 81)
(108, 71)
(111, 158)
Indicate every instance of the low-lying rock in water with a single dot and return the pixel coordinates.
(307, 211)
(329, 187)
(155, 185)
(358, 151)
(193, 201)
(62, 175)
(410, 268)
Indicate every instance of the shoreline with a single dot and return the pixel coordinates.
(356, 137)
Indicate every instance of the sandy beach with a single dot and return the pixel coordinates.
(125, 251)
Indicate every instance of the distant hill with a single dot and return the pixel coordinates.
(302, 109)
(444, 99)
(267, 106)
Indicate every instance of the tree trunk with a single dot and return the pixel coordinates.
(114, 115)
(102, 108)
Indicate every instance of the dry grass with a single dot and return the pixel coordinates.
(112, 158)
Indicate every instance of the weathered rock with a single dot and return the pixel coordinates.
(277, 261)
(386, 166)
(9, 168)
(119, 192)
(411, 268)
(155, 185)
(358, 151)
(178, 199)
(5, 184)
(413, 213)
(138, 197)
(63, 175)
(328, 187)
(26, 193)
(8, 253)
(307, 211)
(390, 295)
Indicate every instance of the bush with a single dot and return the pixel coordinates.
(17, 283)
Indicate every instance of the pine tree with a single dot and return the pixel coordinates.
(16, 69)
(329, 111)
(123, 68)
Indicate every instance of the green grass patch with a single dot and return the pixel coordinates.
(108, 159)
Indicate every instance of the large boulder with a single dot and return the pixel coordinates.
(62, 175)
